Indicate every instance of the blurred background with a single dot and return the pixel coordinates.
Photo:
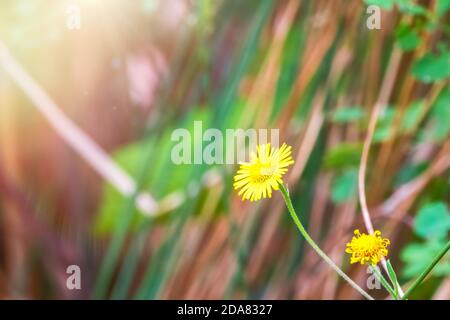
(91, 91)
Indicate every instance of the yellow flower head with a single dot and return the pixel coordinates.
(367, 247)
(257, 178)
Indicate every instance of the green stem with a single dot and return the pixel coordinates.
(427, 270)
(383, 281)
(316, 248)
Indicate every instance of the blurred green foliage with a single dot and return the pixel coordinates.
(344, 187)
(439, 128)
(432, 225)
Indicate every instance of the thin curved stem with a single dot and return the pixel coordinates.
(383, 99)
(316, 248)
(427, 270)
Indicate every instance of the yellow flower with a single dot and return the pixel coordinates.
(367, 247)
(257, 178)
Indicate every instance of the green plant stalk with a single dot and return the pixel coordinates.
(316, 248)
(393, 277)
(383, 281)
(427, 270)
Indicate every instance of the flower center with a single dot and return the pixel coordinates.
(368, 244)
(263, 172)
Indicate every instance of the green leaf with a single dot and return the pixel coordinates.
(347, 114)
(344, 186)
(405, 6)
(345, 155)
(442, 7)
(431, 67)
(385, 4)
(383, 130)
(417, 256)
(409, 7)
(393, 278)
(412, 116)
(432, 221)
(164, 178)
(440, 115)
(408, 172)
(407, 38)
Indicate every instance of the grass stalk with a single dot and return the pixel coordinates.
(426, 271)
